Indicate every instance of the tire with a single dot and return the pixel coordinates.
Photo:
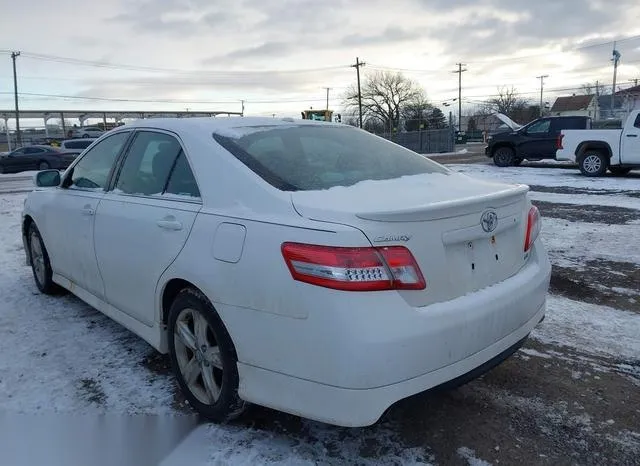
(619, 171)
(215, 364)
(43, 166)
(2, 169)
(86, 136)
(40, 263)
(517, 162)
(503, 156)
(593, 164)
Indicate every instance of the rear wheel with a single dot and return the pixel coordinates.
(43, 165)
(203, 357)
(593, 164)
(619, 171)
(503, 156)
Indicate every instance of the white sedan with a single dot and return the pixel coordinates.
(305, 266)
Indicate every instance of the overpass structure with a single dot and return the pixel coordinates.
(83, 115)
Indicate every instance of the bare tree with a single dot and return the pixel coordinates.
(594, 88)
(508, 101)
(384, 95)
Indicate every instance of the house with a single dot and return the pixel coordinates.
(575, 105)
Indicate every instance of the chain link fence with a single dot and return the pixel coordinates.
(430, 141)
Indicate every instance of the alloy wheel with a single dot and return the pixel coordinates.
(198, 356)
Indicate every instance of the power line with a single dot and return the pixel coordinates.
(102, 64)
(176, 101)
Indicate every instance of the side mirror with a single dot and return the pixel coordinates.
(47, 178)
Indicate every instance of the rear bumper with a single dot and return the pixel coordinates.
(350, 360)
(358, 408)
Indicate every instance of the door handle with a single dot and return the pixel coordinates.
(88, 211)
(169, 225)
(632, 135)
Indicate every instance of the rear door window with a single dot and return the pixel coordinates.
(311, 157)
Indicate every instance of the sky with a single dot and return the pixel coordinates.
(279, 56)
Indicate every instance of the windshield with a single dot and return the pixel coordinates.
(304, 157)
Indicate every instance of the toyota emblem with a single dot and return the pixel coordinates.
(489, 221)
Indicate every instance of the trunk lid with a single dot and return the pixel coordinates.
(440, 218)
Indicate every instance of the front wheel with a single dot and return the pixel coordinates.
(203, 357)
(43, 166)
(593, 164)
(619, 171)
(40, 264)
(504, 156)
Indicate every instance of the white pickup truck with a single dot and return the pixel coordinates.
(596, 150)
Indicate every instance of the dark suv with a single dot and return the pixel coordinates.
(534, 141)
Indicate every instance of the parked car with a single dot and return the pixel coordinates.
(35, 158)
(86, 132)
(310, 267)
(595, 151)
(534, 141)
(76, 146)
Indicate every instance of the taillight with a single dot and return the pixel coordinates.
(354, 269)
(559, 141)
(533, 228)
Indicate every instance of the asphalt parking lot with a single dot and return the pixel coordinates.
(571, 395)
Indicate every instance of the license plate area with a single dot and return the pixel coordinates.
(477, 262)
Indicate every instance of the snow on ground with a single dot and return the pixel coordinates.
(443, 154)
(609, 200)
(547, 177)
(85, 360)
(470, 456)
(592, 329)
(19, 176)
(572, 243)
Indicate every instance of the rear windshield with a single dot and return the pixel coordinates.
(305, 158)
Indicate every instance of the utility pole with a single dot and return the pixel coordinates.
(328, 89)
(15, 55)
(459, 71)
(242, 112)
(597, 107)
(541, 78)
(357, 67)
(615, 60)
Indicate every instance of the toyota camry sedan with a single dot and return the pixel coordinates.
(309, 267)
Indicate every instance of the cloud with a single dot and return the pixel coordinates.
(389, 36)
(266, 49)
